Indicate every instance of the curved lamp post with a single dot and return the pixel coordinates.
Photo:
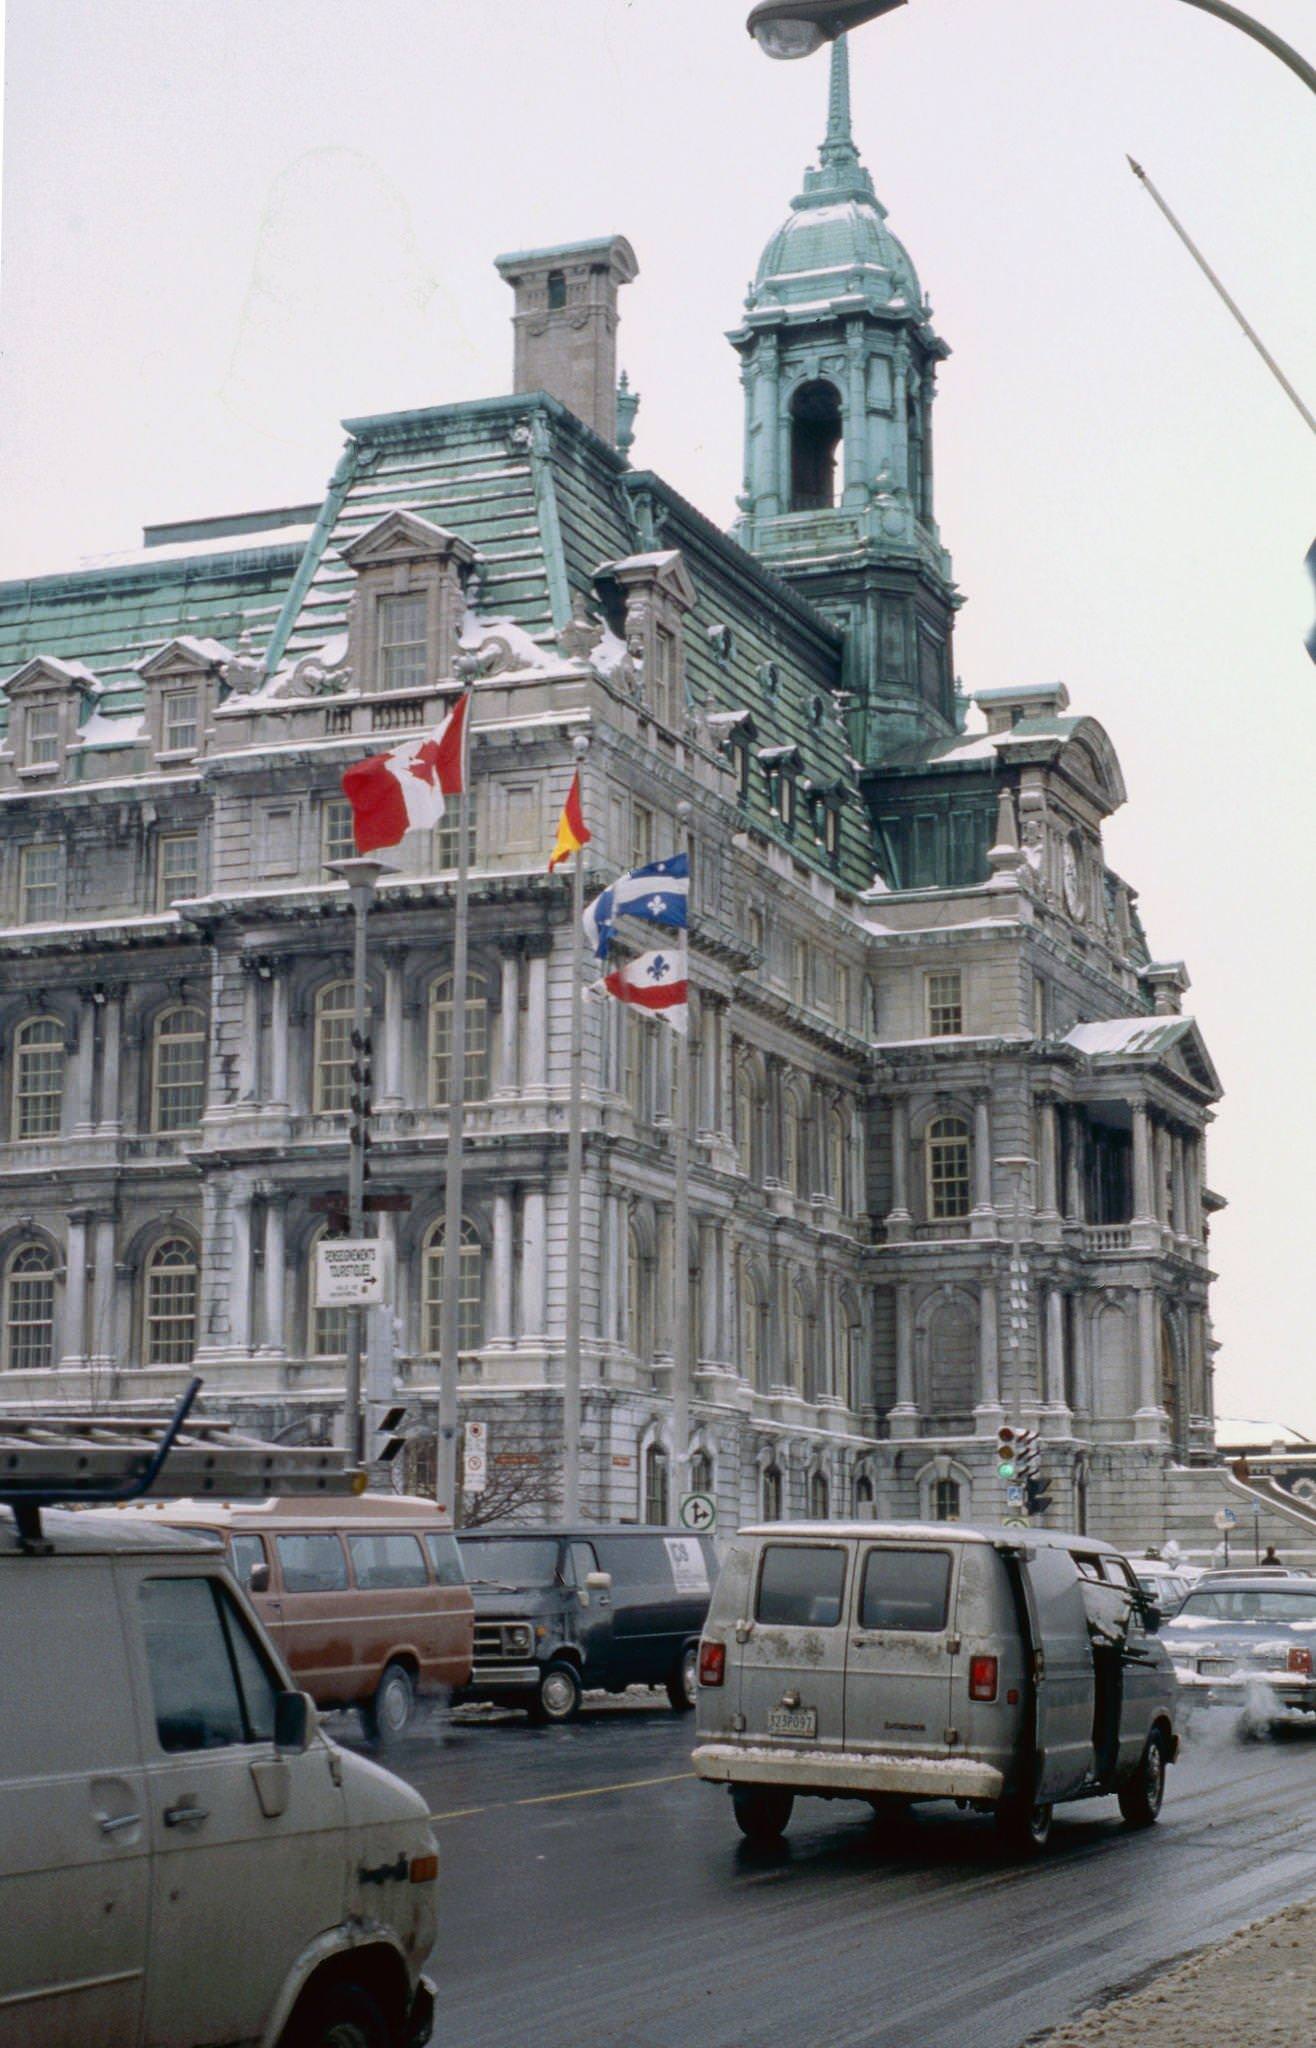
(796, 28)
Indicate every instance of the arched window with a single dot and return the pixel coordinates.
(948, 1169)
(470, 1290)
(946, 1501)
(815, 443)
(178, 1070)
(744, 1106)
(476, 1064)
(29, 1309)
(795, 1146)
(657, 1486)
(836, 1151)
(170, 1309)
(772, 1493)
(819, 1497)
(639, 1295)
(863, 1497)
(326, 1327)
(751, 1357)
(333, 1048)
(798, 1373)
(701, 1473)
(38, 1078)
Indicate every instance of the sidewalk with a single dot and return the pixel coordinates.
(1257, 1989)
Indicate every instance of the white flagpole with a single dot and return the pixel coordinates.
(575, 1173)
(681, 1221)
(446, 1487)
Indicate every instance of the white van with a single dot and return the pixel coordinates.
(186, 1860)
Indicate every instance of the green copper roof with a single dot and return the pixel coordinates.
(835, 238)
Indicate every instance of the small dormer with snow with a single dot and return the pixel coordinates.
(48, 702)
(182, 683)
(645, 599)
(408, 607)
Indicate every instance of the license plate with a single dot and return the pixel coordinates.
(793, 1721)
(1215, 1667)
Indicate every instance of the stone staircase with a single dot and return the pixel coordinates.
(1266, 1515)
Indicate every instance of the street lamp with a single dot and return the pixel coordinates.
(796, 28)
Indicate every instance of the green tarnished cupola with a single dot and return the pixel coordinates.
(838, 361)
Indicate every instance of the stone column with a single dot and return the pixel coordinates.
(279, 1025)
(769, 385)
(84, 1067)
(111, 1115)
(904, 1416)
(988, 1412)
(534, 1303)
(276, 1205)
(710, 1289)
(1143, 1211)
(898, 1218)
(240, 1275)
(710, 1030)
(1082, 1356)
(390, 1070)
(983, 1218)
(534, 1072)
(249, 1046)
(1178, 1187)
(1048, 1209)
(75, 1289)
(1073, 1173)
(509, 1019)
(856, 416)
(1056, 1398)
(100, 1345)
(501, 1274)
(1151, 1420)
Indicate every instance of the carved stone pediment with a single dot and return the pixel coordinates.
(402, 536)
(47, 674)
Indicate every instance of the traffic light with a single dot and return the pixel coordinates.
(1006, 1447)
(361, 1074)
(1037, 1495)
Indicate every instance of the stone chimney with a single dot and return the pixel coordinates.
(565, 324)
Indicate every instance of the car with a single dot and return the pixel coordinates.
(558, 1610)
(1234, 1634)
(1165, 1583)
(1008, 1670)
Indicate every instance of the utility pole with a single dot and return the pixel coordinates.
(575, 1174)
(681, 1362)
(445, 1491)
(361, 876)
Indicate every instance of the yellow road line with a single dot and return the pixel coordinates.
(550, 1798)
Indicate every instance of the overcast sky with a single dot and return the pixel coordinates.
(228, 224)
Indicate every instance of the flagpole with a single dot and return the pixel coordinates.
(575, 1174)
(446, 1472)
(681, 1222)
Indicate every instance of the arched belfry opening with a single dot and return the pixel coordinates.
(816, 433)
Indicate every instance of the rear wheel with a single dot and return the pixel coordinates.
(390, 1712)
(683, 1680)
(556, 1698)
(1024, 1825)
(762, 1811)
(1140, 1797)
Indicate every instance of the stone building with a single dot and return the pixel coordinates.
(947, 1158)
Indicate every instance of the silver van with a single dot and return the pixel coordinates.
(186, 1860)
(1005, 1669)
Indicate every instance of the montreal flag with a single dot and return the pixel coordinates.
(656, 982)
(405, 789)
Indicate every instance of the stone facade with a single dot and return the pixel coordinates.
(948, 1118)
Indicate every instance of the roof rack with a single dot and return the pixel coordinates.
(82, 1460)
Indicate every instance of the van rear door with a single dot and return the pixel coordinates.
(792, 1659)
(900, 1656)
(1062, 1669)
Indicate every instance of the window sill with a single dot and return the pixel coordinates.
(176, 757)
(38, 771)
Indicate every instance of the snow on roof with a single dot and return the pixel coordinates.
(223, 544)
(1126, 1034)
(99, 730)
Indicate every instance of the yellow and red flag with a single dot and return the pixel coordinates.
(572, 831)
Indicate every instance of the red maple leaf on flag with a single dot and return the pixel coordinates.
(424, 763)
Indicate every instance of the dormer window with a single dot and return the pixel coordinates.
(815, 446)
(179, 726)
(740, 756)
(557, 290)
(403, 642)
(43, 736)
(645, 599)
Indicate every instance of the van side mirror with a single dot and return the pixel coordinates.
(258, 1578)
(294, 1721)
(599, 1582)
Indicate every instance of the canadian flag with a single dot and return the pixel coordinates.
(657, 982)
(405, 790)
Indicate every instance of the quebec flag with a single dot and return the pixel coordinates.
(658, 893)
(656, 982)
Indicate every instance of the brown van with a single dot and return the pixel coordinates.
(366, 1599)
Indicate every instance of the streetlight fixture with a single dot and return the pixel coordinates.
(796, 28)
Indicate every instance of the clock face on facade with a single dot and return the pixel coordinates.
(1073, 881)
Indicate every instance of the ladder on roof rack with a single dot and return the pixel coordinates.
(82, 1460)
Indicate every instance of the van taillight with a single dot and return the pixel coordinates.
(1300, 1661)
(982, 1678)
(712, 1663)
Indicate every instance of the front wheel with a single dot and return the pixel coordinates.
(761, 1811)
(389, 1713)
(683, 1680)
(556, 1698)
(1141, 1795)
(339, 2016)
(1024, 1825)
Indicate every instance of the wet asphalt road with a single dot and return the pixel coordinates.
(595, 1895)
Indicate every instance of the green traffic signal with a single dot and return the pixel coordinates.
(1006, 1468)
